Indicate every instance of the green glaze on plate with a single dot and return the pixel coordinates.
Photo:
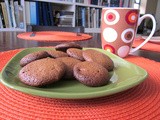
(125, 75)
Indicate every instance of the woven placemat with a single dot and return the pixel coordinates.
(140, 102)
(150, 46)
(54, 36)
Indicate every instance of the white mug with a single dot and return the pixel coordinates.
(118, 29)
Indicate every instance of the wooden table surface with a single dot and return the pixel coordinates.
(9, 41)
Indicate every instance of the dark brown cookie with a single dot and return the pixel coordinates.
(64, 46)
(69, 62)
(32, 57)
(75, 53)
(98, 57)
(91, 74)
(56, 54)
(42, 72)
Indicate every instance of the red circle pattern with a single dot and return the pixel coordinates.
(109, 48)
(131, 17)
(110, 17)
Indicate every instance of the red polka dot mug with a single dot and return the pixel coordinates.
(119, 27)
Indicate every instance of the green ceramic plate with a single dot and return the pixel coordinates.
(125, 75)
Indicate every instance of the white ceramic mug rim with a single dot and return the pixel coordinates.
(120, 8)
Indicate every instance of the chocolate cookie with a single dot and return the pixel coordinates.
(56, 54)
(32, 57)
(91, 74)
(69, 62)
(75, 53)
(42, 72)
(64, 46)
(98, 57)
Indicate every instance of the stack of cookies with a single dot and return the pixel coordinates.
(66, 61)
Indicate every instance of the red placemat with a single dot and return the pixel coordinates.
(140, 102)
(51, 36)
(150, 46)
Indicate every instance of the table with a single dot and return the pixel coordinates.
(140, 102)
(9, 41)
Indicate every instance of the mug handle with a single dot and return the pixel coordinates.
(151, 34)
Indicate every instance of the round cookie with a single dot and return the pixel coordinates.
(69, 62)
(32, 57)
(56, 54)
(98, 57)
(91, 74)
(42, 72)
(75, 53)
(64, 46)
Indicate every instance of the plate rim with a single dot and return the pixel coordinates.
(73, 96)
